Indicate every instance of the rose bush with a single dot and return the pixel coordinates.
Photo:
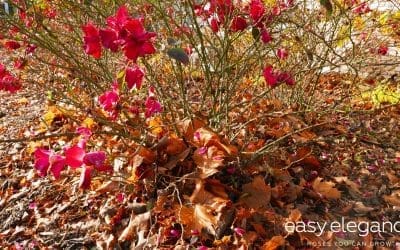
(139, 70)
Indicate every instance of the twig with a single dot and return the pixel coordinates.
(38, 138)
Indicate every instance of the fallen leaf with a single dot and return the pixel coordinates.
(274, 243)
(109, 186)
(326, 188)
(188, 127)
(360, 208)
(208, 160)
(175, 146)
(137, 222)
(393, 199)
(257, 193)
(177, 158)
(156, 126)
(148, 155)
(295, 215)
(217, 200)
(351, 184)
(197, 218)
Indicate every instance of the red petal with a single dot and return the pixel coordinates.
(269, 76)
(109, 100)
(282, 53)
(11, 45)
(104, 168)
(131, 51)
(57, 165)
(42, 161)
(147, 48)
(238, 24)
(91, 40)
(109, 39)
(116, 22)
(134, 77)
(84, 132)
(95, 158)
(74, 156)
(265, 36)
(152, 106)
(86, 178)
(214, 25)
(257, 10)
(135, 27)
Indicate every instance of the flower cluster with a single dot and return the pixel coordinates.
(122, 32)
(76, 157)
(126, 33)
(7, 81)
(274, 77)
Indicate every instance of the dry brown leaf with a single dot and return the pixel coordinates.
(348, 182)
(109, 186)
(257, 193)
(188, 127)
(326, 188)
(295, 215)
(278, 127)
(208, 160)
(393, 199)
(249, 238)
(303, 156)
(202, 196)
(177, 158)
(274, 243)
(197, 218)
(304, 136)
(137, 223)
(175, 146)
(360, 208)
(394, 180)
(205, 137)
(148, 155)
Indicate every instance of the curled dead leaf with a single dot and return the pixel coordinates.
(217, 199)
(177, 158)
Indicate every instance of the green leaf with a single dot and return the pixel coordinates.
(327, 5)
(178, 54)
